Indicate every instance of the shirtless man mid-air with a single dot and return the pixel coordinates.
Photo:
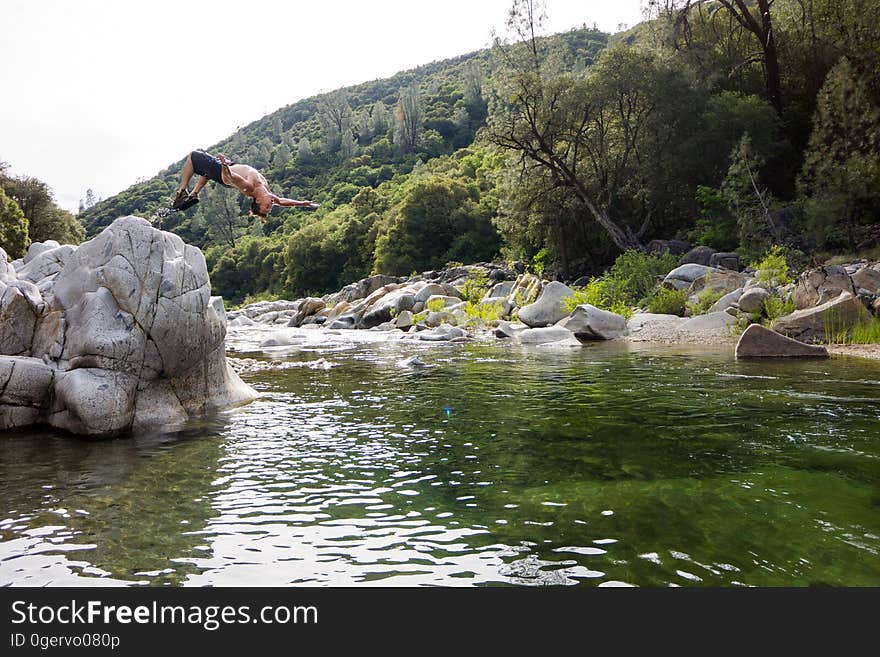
(244, 178)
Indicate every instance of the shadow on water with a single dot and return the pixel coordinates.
(491, 465)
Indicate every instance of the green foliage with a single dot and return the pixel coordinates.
(631, 280)
(542, 260)
(438, 219)
(483, 313)
(668, 301)
(707, 298)
(13, 228)
(749, 201)
(775, 307)
(475, 287)
(635, 274)
(867, 332)
(249, 270)
(45, 220)
(744, 321)
(435, 305)
(839, 331)
(332, 251)
(772, 269)
(605, 146)
(716, 226)
(603, 293)
(840, 182)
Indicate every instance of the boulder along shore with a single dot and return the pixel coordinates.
(522, 308)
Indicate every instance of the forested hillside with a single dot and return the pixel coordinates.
(733, 124)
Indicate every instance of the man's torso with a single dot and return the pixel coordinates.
(247, 172)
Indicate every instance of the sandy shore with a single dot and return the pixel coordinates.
(666, 333)
(860, 350)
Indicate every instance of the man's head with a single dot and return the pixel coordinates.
(262, 203)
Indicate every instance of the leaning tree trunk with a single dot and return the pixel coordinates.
(622, 236)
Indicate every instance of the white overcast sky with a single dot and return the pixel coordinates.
(98, 93)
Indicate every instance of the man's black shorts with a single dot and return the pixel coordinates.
(208, 166)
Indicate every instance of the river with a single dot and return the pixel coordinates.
(491, 464)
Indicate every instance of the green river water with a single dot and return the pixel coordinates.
(495, 465)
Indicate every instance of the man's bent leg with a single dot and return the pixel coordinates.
(187, 173)
(200, 183)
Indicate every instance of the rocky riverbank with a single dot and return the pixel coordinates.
(121, 333)
(494, 301)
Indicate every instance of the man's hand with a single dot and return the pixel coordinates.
(311, 205)
(223, 159)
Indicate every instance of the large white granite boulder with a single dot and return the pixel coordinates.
(128, 328)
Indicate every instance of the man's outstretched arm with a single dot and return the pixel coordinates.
(293, 203)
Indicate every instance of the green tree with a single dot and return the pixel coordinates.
(749, 200)
(46, 221)
(13, 228)
(611, 138)
(437, 221)
(281, 156)
(752, 18)
(840, 182)
(409, 115)
(334, 113)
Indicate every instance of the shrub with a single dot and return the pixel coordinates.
(838, 331)
(632, 279)
(599, 292)
(542, 261)
(744, 321)
(716, 226)
(705, 300)
(635, 273)
(772, 269)
(436, 305)
(483, 313)
(475, 287)
(668, 301)
(774, 307)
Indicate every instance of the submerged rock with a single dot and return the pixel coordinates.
(509, 329)
(129, 333)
